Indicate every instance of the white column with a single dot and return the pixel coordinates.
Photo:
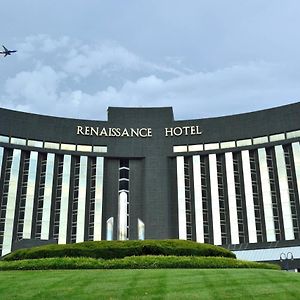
(110, 229)
(47, 197)
(266, 195)
(296, 154)
(284, 193)
(98, 199)
(63, 218)
(181, 198)
(11, 202)
(81, 199)
(249, 197)
(198, 199)
(30, 195)
(122, 216)
(234, 229)
(141, 230)
(1, 158)
(214, 191)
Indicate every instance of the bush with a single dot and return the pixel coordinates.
(132, 262)
(120, 249)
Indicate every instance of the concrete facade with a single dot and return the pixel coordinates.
(230, 181)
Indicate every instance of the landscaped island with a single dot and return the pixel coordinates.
(149, 254)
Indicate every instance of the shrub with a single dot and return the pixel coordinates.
(120, 249)
(132, 262)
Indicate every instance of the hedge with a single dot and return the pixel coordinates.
(120, 249)
(132, 262)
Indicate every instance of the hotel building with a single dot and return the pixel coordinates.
(232, 181)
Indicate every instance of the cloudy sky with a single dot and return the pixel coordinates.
(205, 58)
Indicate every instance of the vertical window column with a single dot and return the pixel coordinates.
(284, 194)
(205, 202)
(256, 197)
(74, 217)
(11, 202)
(222, 203)
(241, 214)
(292, 189)
(274, 197)
(214, 191)
(249, 197)
(188, 203)
(266, 194)
(91, 222)
(23, 193)
(40, 196)
(58, 196)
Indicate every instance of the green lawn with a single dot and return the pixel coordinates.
(150, 284)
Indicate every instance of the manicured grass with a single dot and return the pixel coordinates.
(120, 249)
(150, 284)
(132, 262)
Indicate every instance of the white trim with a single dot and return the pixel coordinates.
(266, 195)
(11, 202)
(30, 195)
(215, 205)
(234, 228)
(181, 198)
(122, 232)
(47, 197)
(249, 197)
(63, 218)
(284, 194)
(296, 154)
(98, 199)
(81, 199)
(198, 199)
(1, 158)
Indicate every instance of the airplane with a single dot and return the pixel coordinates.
(7, 52)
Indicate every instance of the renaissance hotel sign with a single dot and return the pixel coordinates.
(144, 132)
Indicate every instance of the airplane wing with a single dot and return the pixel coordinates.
(5, 49)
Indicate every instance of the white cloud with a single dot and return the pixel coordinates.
(35, 89)
(47, 83)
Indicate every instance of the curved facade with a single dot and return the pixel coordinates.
(232, 181)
